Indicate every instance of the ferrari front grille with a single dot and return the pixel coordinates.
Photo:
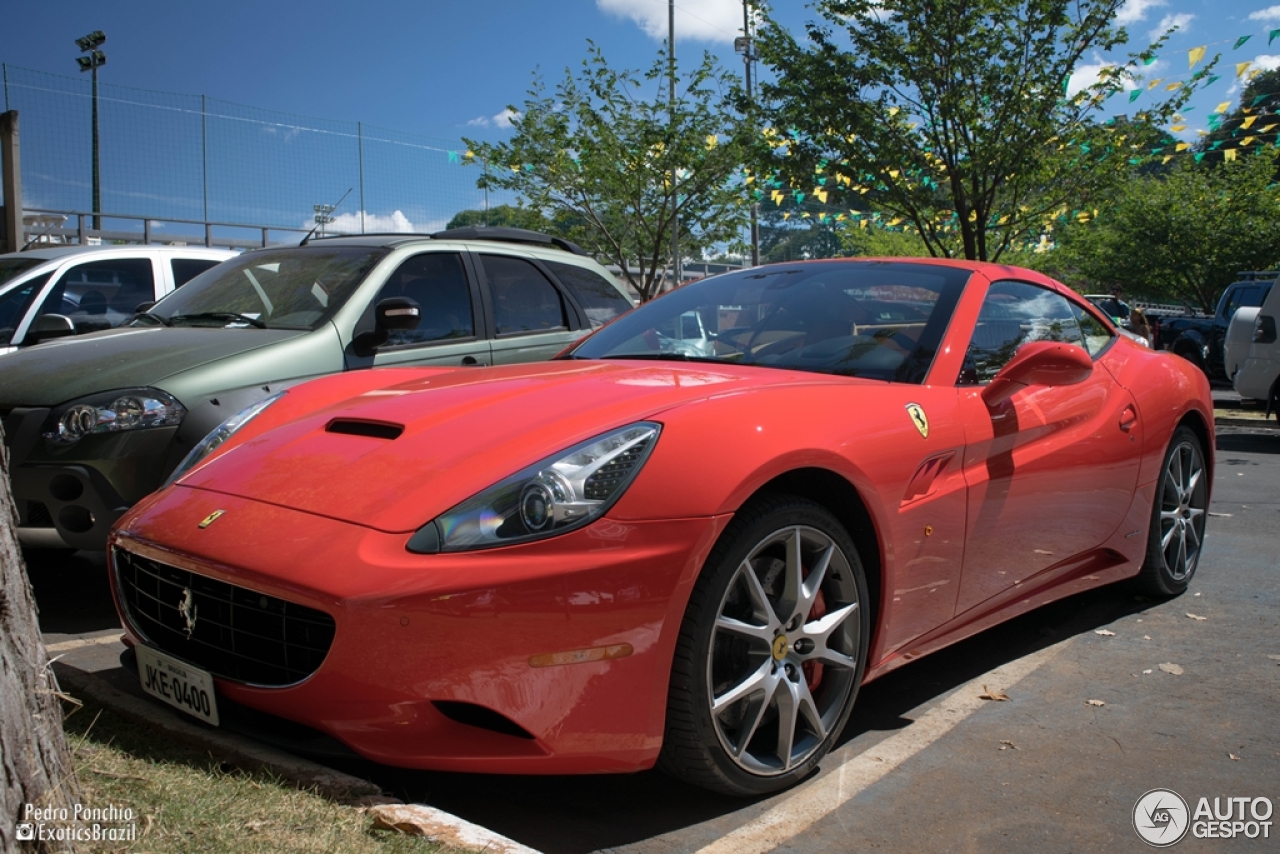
(231, 631)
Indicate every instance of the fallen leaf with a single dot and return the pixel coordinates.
(1274, 657)
(988, 694)
(1008, 745)
(1148, 670)
(1197, 594)
(1175, 669)
(1221, 515)
(1094, 703)
(1234, 758)
(1196, 617)
(1104, 632)
(1146, 637)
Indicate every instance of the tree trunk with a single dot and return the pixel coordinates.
(34, 759)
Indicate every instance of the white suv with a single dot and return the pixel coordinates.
(91, 287)
(1256, 352)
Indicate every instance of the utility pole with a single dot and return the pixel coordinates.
(324, 216)
(89, 44)
(744, 44)
(675, 187)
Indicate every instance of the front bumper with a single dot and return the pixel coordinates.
(70, 497)
(431, 662)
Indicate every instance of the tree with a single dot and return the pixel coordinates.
(954, 115)
(1254, 123)
(598, 150)
(506, 216)
(1182, 236)
(34, 760)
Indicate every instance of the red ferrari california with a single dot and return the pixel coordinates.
(685, 542)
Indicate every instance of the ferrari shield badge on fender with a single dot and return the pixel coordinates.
(211, 518)
(918, 418)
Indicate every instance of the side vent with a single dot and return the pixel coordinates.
(481, 717)
(372, 429)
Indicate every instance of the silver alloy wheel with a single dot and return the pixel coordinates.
(1183, 501)
(784, 652)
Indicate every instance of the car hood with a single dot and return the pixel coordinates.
(463, 431)
(68, 368)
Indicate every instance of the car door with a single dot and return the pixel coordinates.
(101, 293)
(530, 318)
(1050, 472)
(450, 328)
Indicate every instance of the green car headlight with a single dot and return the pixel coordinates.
(220, 434)
(113, 412)
(559, 494)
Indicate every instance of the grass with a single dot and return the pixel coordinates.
(187, 801)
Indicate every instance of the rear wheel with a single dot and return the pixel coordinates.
(770, 653)
(1177, 518)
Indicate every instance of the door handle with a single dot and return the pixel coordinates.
(472, 361)
(1127, 418)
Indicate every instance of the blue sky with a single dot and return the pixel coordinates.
(450, 69)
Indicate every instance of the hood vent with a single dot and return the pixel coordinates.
(372, 429)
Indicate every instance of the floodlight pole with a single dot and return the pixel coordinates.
(747, 58)
(89, 44)
(675, 187)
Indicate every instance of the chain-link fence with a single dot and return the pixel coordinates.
(200, 160)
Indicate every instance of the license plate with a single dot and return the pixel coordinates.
(182, 686)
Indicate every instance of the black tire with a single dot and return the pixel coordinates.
(785, 684)
(1178, 518)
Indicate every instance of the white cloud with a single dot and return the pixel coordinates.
(699, 20)
(1270, 15)
(349, 223)
(1261, 62)
(502, 120)
(1136, 10)
(1181, 22)
(1086, 75)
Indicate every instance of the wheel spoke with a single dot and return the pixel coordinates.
(820, 632)
(759, 599)
(764, 634)
(758, 680)
(751, 722)
(1167, 536)
(793, 579)
(788, 705)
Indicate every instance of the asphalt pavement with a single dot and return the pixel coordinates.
(1109, 696)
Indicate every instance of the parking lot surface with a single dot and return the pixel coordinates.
(1109, 696)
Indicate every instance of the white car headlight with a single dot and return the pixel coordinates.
(548, 498)
(220, 434)
(113, 412)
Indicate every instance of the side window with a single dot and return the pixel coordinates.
(599, 298)
(524, 300)
(437, 282)
(100, 295)
(14, 304)
(1014, 313)
(186, 269)
(1096, 334)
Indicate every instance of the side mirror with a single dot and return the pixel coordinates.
(390, 313)
(50, 326)
(144, 307)
(1047, 363)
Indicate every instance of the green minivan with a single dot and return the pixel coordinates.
(95, 422)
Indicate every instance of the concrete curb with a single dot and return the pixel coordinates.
(338, 787)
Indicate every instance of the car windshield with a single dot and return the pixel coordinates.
(295, 288)
(14, 303)
(10, 267)
(879, 320)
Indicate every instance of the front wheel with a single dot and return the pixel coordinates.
(771, 651)
(1177, 518)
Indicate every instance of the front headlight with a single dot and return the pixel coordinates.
(548, 498)
(220, 434)
(113, 412)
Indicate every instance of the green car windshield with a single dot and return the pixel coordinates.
(295, 288)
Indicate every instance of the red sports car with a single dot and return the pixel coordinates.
(685, 542)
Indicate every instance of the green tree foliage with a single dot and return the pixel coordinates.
(953, 114)
(505, 216)
(1181, 237)
(1256, 119)
(877, 242)
(601, 150)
